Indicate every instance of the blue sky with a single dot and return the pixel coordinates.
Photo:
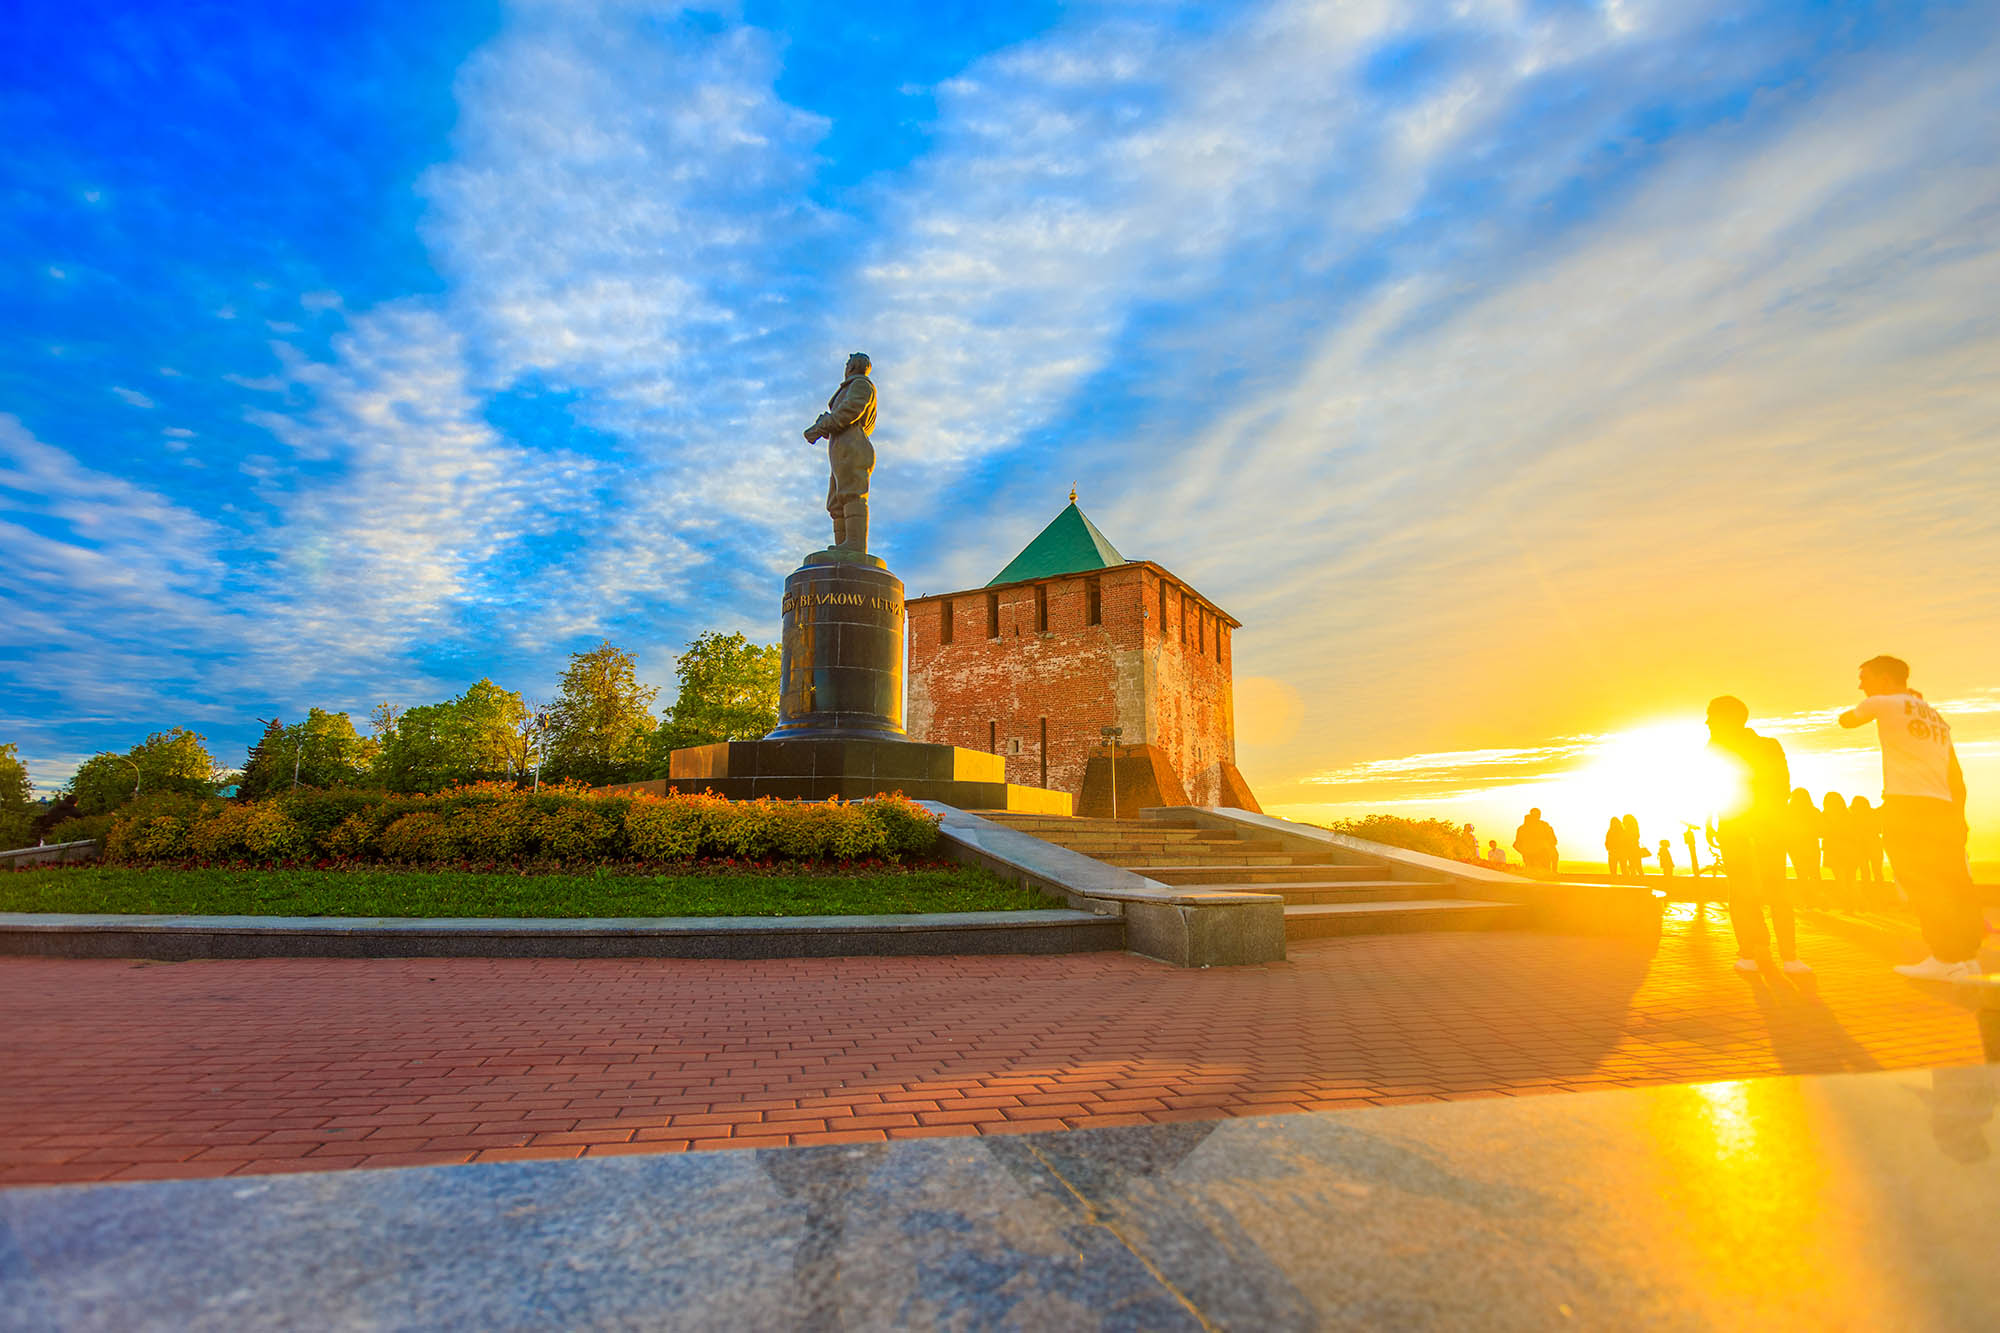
(1513, 371)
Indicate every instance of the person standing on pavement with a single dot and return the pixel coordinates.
(1837, 836)
(1864, 825)
(1614, 849)
(1802, 843)
(1923, 819)
(1750, 828)
(1535, 840)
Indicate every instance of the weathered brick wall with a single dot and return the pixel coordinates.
(1192, 713)
(1161, 683)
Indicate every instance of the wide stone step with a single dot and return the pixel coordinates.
(1026, 821)
(1091, 843)
(1341, 891)
(1181, 858)
(1407, 916)
(1265, 876)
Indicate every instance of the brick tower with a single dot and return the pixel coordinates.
(1071, 638)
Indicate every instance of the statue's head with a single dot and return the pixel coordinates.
(859, 364)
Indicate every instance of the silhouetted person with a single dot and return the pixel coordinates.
(1614, 848)
(1923, 819)
(1751, 830)
(1865, 825)
(1666, 859)
(1836, 837)
(1635, 846)
(1802, 845)
(1494, 856)
(1535, 840)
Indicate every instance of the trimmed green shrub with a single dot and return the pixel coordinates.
(81, 828)
(577, 833)
(498, 825)
(257, 832)
(665, 830)
(420, 838)
(907, 828)
(355, 839)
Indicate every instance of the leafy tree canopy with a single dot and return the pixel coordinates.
(728, 692)
(16, 811)
(322, 751)
(176, 760)
(1436, 836)
(601, 720)
(475, 737)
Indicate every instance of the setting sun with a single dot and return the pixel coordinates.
(1663, 773)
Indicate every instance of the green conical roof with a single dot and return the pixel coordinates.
(1069, 545)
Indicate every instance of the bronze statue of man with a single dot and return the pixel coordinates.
(850, 454)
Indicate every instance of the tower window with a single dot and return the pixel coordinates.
(1045, 752)
(944, 625)
(1041, 608)
(1093, 602)
(993, 737)
(1163, 609)
(992, 615)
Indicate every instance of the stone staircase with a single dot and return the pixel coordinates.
(1325, 894)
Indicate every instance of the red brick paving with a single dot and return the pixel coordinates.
(124, 1070)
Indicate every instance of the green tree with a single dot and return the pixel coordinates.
(728, 692)
(473, 737)
(601, 720)
(322, 751)
(1436, 836)
(261, 766)
(17, 813)
(176, 760)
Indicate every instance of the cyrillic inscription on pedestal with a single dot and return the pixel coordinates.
(841, 667)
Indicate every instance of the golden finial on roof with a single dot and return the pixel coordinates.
(1072, 493)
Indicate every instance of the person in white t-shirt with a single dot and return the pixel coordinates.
(1923, 819)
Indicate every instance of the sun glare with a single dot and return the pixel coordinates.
(1664, 771)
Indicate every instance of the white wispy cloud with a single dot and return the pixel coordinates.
(623, 218)
(422, 497)
(1700, 445)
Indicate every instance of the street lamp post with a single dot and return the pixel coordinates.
(138, 775)
(541, 744)
(1111, 735)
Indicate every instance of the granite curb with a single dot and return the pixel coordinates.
(186, 938)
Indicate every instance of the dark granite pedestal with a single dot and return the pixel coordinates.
(857, 767)
(840, 710)
(841, 673)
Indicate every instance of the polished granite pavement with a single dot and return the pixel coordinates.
(1845, 1201)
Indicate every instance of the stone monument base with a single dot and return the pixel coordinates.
(852, 768)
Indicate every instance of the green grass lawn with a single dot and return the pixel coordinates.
(432, 893)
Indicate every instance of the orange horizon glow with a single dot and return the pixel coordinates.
(1658, 770)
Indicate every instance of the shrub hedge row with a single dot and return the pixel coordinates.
(493, 824)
